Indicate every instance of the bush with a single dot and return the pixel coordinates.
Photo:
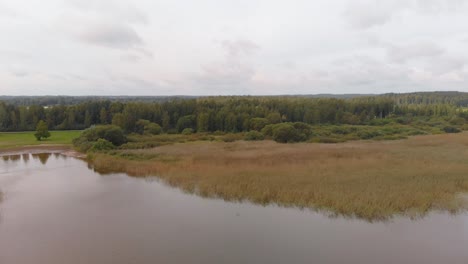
(102, 145)
(287, 133)
(451, 129)
(153, 129)
(328, 140)
(187, 131)
(218, 133)
(368, 134)
(457, 121)
(268, 130)
(111, 133)
(230, 138)
(172, 131)
(258, 123)
(143, 126)
(115, 135)
(254, 135)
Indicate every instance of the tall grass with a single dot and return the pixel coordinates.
(365, 179)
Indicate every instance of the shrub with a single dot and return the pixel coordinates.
(268, 130)
(328, 140)
(287, 133)
(258, 123)
(102, 145)
(457, 121)
(172, 131)
(115, 135)
(153, 129)
(218, 133)
(368, 134)
(230, 138)
(451, 129)
(143, 126)
(254, 135)
(187, 131)
(111, 133)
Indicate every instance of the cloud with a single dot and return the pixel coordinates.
(365, 14)
(106, 23)
(363, 70)
(235, 71)
(6, 11)
(228, 73)
(111, 9)
(402, 54)
(132, 58)
(240, 47)
(20, 73)
(117, 36)
(445, 65)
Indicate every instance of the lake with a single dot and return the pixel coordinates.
(57, 209)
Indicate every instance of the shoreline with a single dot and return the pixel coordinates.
(63, 149)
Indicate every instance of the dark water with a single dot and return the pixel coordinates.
(56, 210)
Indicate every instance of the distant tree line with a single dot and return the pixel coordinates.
(227, 114)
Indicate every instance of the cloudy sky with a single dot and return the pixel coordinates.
(224, 47)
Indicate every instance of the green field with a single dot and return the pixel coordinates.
(21, 139)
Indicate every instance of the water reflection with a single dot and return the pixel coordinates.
(15, 157)
(26, 157)
(63, 212)
(43, 157)
(10, 161)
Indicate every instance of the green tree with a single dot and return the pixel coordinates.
(42, 131)
(87, 121)
(103, 116)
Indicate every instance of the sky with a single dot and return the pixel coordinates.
(232, 47)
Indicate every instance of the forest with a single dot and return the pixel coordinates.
(228, 114)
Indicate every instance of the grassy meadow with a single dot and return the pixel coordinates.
(365, 179)
(10, 140)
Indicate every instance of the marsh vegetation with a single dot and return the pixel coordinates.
(365, 179)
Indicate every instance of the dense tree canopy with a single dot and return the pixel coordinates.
(227, 114)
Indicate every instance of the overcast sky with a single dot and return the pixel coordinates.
(224, 47)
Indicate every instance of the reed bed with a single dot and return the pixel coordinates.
(365, 179)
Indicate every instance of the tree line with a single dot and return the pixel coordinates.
(227, 114)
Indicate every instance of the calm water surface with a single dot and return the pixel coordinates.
(57, 210)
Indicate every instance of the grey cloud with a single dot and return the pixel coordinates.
(366, 71)
(445, 65)
(20, 73)
(229, 73)
(240, 47)
(364, 14)
(137, 85)
(112, 35)
(438, 6)
(118, 10)
(236, 70)
(401, 54)
(132, 58)
(6, 11)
